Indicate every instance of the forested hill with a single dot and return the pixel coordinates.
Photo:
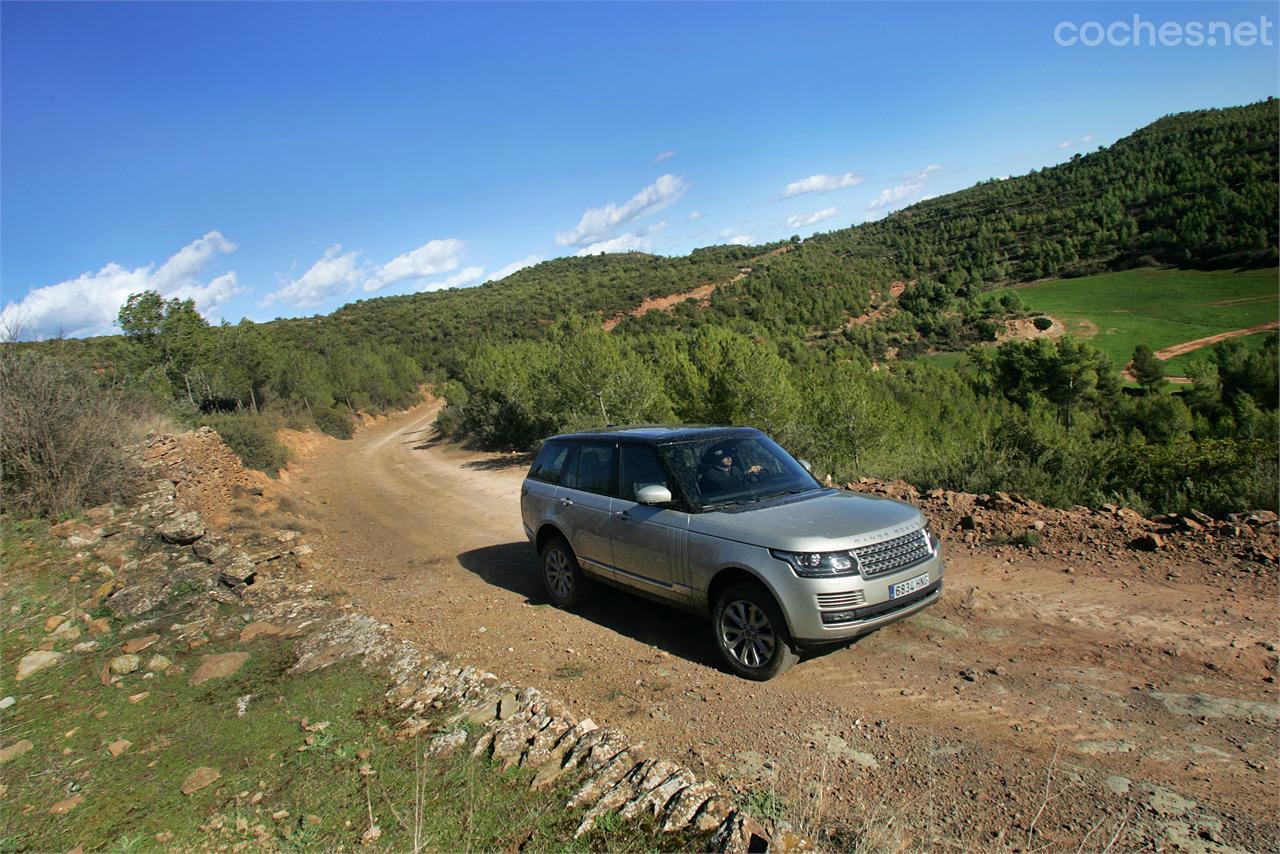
(1196, 189)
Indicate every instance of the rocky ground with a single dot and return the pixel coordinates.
(1091, 679)
(164, 586)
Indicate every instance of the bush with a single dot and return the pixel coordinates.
(253, 438)
(1042, 323)
(63, 437)
(335, 421)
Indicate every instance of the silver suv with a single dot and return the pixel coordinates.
(721, 520)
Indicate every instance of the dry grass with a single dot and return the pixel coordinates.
(63, 437)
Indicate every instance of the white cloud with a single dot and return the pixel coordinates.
(1066, 143)
(527, 261)
(465, 276)
(1076, 143)
(335, 273)
(912, 185)
(731, 236)
(665, 155)
(432, 257)
(821, 184)
(640, 240)
(88, 304)
(804, 220)
(599, 224)
(695, 215)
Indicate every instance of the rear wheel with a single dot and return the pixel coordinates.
(751, 632)
(562, 578)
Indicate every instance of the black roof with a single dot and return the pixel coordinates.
(655, 434)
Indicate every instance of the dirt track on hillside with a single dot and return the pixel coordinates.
(1046, 703)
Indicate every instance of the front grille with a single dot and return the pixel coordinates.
(893, 555)
(852, 599)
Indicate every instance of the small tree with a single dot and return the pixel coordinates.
(1147, 369)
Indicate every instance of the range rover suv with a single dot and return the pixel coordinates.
(723, 522)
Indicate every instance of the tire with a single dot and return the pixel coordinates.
(562, 578)
(751, 632)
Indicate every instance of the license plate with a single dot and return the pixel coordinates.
(902, 588)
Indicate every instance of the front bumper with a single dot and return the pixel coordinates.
(863, 605)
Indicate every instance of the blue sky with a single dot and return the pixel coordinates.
(283, 159)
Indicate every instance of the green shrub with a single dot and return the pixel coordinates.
(335, 420)
(1042, 323)
(253, 438)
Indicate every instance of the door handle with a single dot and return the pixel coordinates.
(566, 502)
(623, 515)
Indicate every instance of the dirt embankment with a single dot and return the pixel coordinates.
(702, 293)
(1090, 677)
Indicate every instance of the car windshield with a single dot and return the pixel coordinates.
(728, 471)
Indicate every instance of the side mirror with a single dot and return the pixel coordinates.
(808, 466)
(654, 493)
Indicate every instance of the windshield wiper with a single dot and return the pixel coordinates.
(785, 492)
(720, 504)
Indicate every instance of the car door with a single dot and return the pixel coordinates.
(584, 504)
(648, 541)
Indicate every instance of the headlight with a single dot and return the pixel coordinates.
(819, 564)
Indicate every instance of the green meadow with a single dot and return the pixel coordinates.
(1158, 307)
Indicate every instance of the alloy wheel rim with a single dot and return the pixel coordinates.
(747, 635)
(558, 574)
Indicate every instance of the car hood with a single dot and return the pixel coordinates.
(832, 520)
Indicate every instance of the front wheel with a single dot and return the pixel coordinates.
(751, 632)
(562, 578)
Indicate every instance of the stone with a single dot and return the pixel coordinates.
(54, 621)
(182, 530)
(658, 795)
(68, 631)
(86, 646)
(99, 626)
(445, 743)
(711, 815)
(218, 666)
(740, 832)
(259, 629)
(37, 660)
(138, 644)
(7, 702)
(1149, 542)
(622, 791)
(123, 665)
(120, 745)
(507, 706)
(64, 807)
(137, 599)
(1119, 785)
(199, 779)
(684, 806)
(555, 763)
(13, 751)
(159, 664)
(606, 777)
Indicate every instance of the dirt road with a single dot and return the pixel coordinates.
(1042, 704)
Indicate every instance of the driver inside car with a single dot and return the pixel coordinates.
(719, 473)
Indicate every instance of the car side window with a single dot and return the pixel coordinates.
(640, 467)
(550, 464)
(594, 470)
